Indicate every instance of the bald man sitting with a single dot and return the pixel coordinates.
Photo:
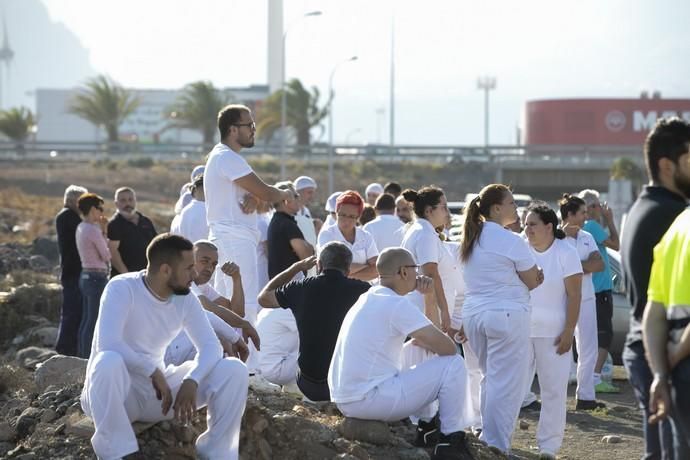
(365, 377)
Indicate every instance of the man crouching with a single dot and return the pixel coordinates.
(126, 379)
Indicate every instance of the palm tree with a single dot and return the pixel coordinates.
(105, 103)
(197, 108)
(16, 123)
(303, 112)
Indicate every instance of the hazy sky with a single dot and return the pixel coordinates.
(535, 49)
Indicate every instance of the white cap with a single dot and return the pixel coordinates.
(303, 182)
(374, 188)
(330, 203)
(199, 169)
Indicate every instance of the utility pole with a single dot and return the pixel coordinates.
(486, 84)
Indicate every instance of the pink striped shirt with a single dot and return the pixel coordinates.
(92, 247)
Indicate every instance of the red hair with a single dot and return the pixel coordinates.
(350, 197)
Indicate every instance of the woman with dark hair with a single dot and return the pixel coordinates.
(92, 244)
(499, 271)
(348, 208)
(555, 308)
(573, 215)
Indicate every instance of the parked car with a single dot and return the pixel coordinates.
(621, 307)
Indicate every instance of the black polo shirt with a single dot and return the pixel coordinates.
(319, 304)
(66, 223)
(133, 239)
(281, 230)
(649, 218)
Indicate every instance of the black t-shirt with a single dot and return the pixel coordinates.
(133, 240)
(66, 223)
(281, 230)
(649, 218)
(319, 304)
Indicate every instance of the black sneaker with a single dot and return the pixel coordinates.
(452, 447)
(534, 406)
(585, 404)
(427, 433)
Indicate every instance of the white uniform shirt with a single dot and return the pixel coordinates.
(369, 345)
(205, 290)
(175, 225)
(223, 195)
(278, 331)
(139, 327)
(263, 221)
(384, 229)
(585, 245)
(193, 224)
(455, 306)
(549, 300)
(490, 273)
(363, 249)
(182, 349)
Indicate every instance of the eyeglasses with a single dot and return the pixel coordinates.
(252, 125)
(348, 216)
(416, 267)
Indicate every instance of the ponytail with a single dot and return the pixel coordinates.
(559, 234)
(478, 210)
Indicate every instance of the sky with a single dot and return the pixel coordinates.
(536, 49)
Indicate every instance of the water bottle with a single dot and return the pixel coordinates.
(607, 369)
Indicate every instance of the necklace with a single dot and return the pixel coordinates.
(153, 293)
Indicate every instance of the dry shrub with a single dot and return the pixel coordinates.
(13, 378)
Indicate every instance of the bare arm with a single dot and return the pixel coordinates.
(267, 297)
(433, 339)
(254, 185)
(594, 263)
(368, 272)
(532, 277)
(613, 241)
(655, 336)
(301, 248)
(115, 257)
(573, 290)
(678, 352)
(438, 299)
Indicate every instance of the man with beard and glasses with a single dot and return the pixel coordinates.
(129, 233)
(126, 378)
(666, 156)
(231, 189)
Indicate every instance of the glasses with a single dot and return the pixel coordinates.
(416, 267)
(348, 216)
(252, 125)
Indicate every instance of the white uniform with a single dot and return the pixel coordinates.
(235, 233)
(193, 224)
(366, 378)
(262, 249)
(548, 317)
(384, 229)
(496, 319)
(363, 249)
(279, 345)
(182, 349)
(586, 330)
(132, 333)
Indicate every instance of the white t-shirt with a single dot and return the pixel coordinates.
(585, 245)
(491, 278)
(205, 290)
(363, 249)
(223, 195)
(263, 222)
(182, 349)
(193, 224)
(549, 300)
(384, 229)
(458, 284)
(425, 245)
(175, 225)
(139, 327)
(369, 345)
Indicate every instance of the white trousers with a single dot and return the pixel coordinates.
(475, 377)
(411, 356)
(114, 399)
(553, 371)
(500, 339)
(587, 349)
(279, 345)
(412, 390)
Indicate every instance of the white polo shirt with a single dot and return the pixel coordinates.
(491, 272)
(363, 249)
(182, 349)
(370, 342)
(205, 290)
(193, 224)
(384, 229)
(585, 245)
(549, 300)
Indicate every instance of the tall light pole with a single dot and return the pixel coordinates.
(486, 84)
(331, 149)
(391, 114)
(283, 99)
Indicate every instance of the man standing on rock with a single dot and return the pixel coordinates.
(365, 376)
(66, 223)
(126, 379)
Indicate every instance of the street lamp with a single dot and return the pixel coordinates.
(283, 99)
(330, 122)
(486, 84)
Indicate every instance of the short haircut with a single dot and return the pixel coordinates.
(166, 248)
(124, 189)
(88, 201)
(670, 139)
(570, 204)
(368, 214)
(228, 116)
(205, 244)
(385, 202)
(284, 185)
(335, 256)
(391, 259)
(198, 182)
(73, 192)
(589, 196)
(350, 197)
(392, 188)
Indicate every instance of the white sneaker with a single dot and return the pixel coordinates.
(292, 389)
(260, 384)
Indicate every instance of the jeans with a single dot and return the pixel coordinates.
(70, 316)
(92, 285)
(658, 438)
(680, 403)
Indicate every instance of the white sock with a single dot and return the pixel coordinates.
(597, 378)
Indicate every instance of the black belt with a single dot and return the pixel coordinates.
(678, 323)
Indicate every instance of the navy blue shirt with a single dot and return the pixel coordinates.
(133, 238)
(66, 223)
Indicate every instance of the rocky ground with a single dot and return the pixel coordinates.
(40, 415)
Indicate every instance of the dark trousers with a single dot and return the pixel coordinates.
(70, 316)
(658, 438)
(313, 389)
(680, 401)
(92, 285)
